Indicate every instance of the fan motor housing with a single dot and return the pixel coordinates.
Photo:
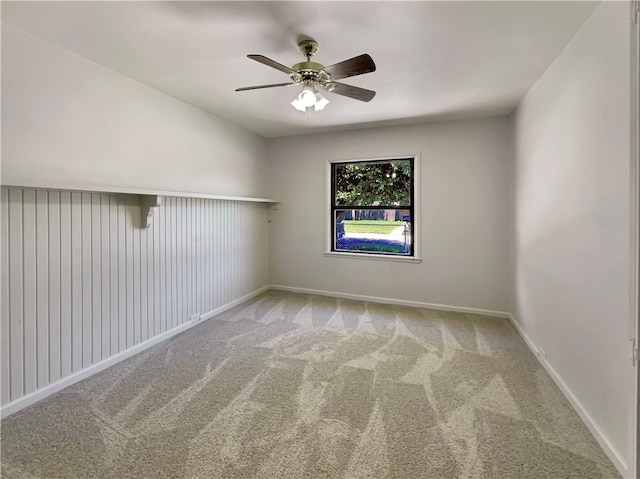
(310, 71)
(307, 66)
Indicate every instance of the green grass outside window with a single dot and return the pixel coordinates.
(371, 226)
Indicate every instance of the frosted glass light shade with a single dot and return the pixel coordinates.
(309, 97)
(297, 104)
(321, 102)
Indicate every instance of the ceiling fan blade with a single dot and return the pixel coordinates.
(351, 91)
(354, 66)
(264, 86)
(272, 63)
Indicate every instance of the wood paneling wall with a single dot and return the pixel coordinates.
(81, 281)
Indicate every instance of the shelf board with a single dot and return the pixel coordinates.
(142, 191)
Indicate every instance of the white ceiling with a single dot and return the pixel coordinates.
(435, 60)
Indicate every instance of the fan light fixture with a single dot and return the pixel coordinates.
(309, 97)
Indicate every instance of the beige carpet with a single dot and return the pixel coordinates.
(297, 386)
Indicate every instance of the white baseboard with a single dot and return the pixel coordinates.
(531, 344)
(234, 303)
(606, 446)
(46, 391)
(399, 302)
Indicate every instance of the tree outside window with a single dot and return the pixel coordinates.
(372, 206)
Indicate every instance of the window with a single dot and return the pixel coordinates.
(372, 207)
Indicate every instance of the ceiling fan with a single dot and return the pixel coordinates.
(311, 75)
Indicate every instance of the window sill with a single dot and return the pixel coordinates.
(377, 257)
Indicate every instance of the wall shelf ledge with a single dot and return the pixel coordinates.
(150, 200)
(143, 192)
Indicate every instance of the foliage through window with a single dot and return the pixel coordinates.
(372, 206)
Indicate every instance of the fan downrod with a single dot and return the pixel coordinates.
(308, 48)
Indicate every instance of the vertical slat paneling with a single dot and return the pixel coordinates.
(206, 259)
(226, 216)
(174, 263)
(105, 268)
(189, 292)
(196, 255)
(188, 305)
(15, 293)
(229, 209)
(114, 251)
(235, 265)
(82, 282)
(66, 302)
(122, 275)
(150, 280)
(157, 272)
(212, 256)
(86, 269)
(202, 232)
(144, 332)
(163, 299)
(201, 266)
(130, 262)
(165, 252)
(179, 261)
(55, 294)
(5, 345)
(233, 246)
(232, 207)
(190, 243)
(211, 252)
(76, 281)
(170, 269)
(219, 253)
(29, 291)
(96, 279)
(135, 260)
(241, 248)
(42, 287)
(220, 267)
(169, 273)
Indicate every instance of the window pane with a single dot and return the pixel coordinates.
(385, 183)
(373, 231)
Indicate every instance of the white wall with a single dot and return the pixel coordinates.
(68, 122)
(83, 283)
(573, 228)
(464, 221)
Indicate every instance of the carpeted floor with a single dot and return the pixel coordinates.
(298, 386)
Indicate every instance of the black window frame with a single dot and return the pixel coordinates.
(333, 207)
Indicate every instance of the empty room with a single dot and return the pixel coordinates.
(319, 239)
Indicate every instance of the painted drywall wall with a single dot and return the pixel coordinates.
(70, 123)
(511, 260)
(463, 214)
(83, 283)
(573, 227)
